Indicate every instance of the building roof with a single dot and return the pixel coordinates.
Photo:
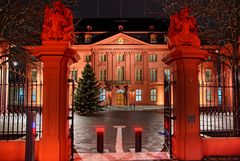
(139, 28)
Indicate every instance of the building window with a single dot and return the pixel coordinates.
(74, 75)
(88, 58)
(34, 94)
(153, 38)
(153, 58)
(208, 75)
(103, 57)
(34, 75)
(209, 95)
(219, 96)
(153, 75)
(103, 74)
(138, 95)
(167, 73)
(87, 38)
(102, 96)
(138, 57)
(120, 57)
(138, 75)
(153, 95)
(120, 73)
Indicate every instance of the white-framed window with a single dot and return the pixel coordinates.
(208, 75)
(102, 96)
(103, 57)
(138, 75)
(34, 75)
(152, 58)
(138, 57)
(208, 95)
(138, 95)
(74, 74)
(120, 73)
(153, 75)
(88, 58)
(120, 57)
(153, 95)
(103, 74)
(34, 94)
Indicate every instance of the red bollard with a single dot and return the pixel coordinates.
(100, 135)
(138, 139)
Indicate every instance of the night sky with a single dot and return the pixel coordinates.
(116, 8)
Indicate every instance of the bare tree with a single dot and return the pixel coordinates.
(219, 26)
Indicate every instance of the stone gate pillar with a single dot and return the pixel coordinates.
(186, 141)
(56, 57)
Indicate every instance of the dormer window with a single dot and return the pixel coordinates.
(88, 38)
(153, 38)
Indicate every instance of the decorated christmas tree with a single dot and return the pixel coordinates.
(87, 93)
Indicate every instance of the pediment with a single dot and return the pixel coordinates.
(120, 39)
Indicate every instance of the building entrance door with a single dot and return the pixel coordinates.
(120, 99)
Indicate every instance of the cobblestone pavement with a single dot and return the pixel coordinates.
(150, 120)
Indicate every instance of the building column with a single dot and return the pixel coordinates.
(186, 140)
(54, 144)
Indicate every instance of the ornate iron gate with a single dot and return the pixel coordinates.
(20, 92)
(71, 117)
(167, 114)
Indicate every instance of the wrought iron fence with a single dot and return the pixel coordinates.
(218, 114)
(20, 92)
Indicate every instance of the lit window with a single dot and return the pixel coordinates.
(209, 95)
(103, 74)
(138, 95)
(102, 96)
(167, 73)
(208, 75)
(34, 75)
(88, 58)
(153, 75)
(87, 38)
(120, 57)
(74, 74)
(103, 57)
(153, 95)
(34, 94)
(138, 57)
(138, 75)
(153, 58)
(219, 96)
(120, 73)
(153, 38)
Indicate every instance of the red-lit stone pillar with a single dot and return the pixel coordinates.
(56, 57)
(186, 141)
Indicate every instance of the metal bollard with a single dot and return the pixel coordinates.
(100, 135)
(138, 139)
(30, 137)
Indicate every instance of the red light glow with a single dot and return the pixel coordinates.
(138, 129)
(100, 130)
